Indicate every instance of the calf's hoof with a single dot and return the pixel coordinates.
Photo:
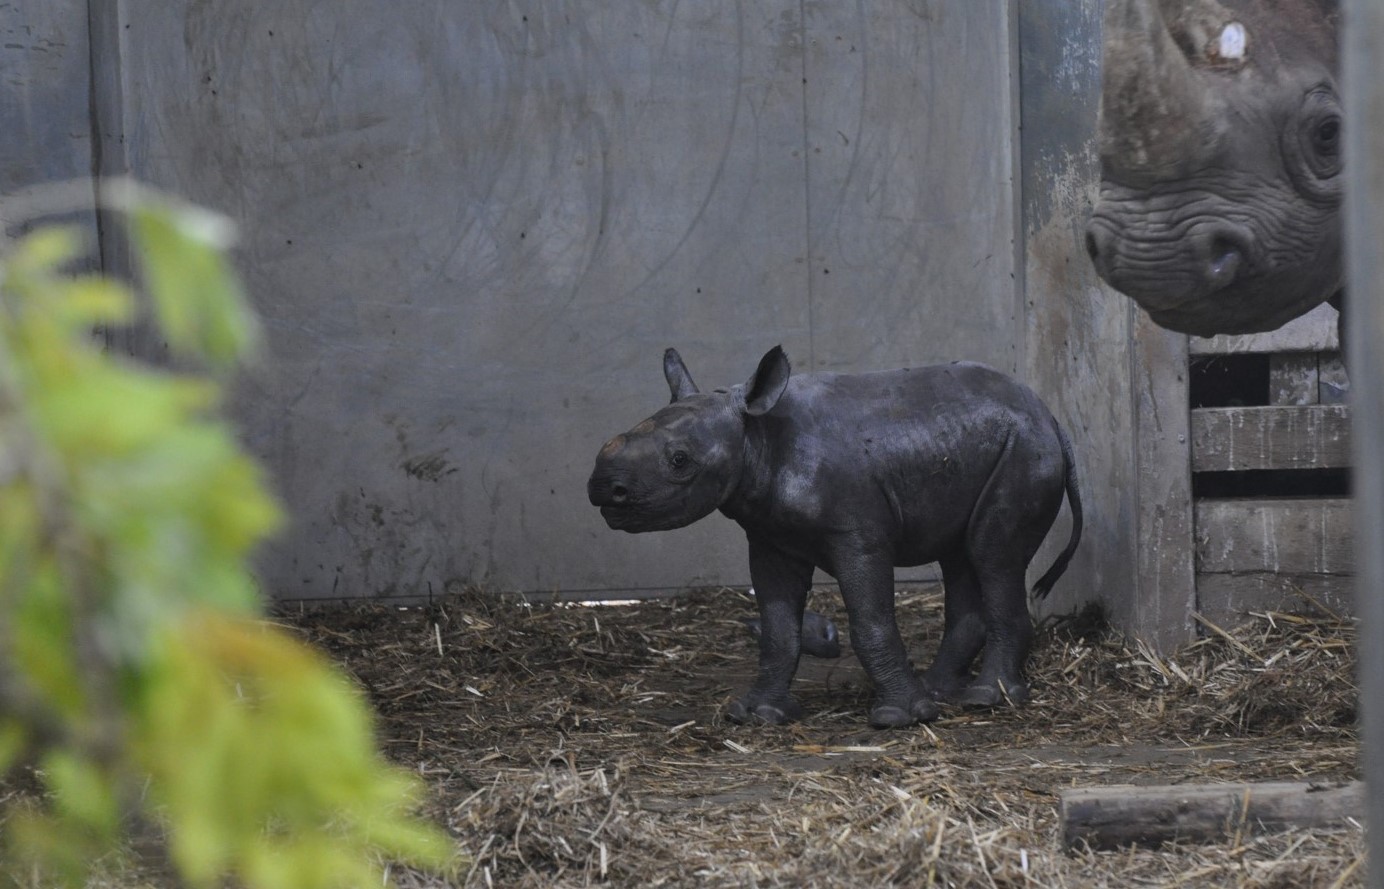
(777, 713)
(921, 709)
(942, 692)
(991, 694)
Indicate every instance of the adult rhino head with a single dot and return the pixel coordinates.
(1220, 139)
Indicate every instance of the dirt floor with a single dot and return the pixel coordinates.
(574, 745)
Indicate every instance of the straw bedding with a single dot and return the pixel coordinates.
(567, 745)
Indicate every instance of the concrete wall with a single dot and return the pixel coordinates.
(1072, 320)
(1115, 380)
(472, 229)
(45, 107)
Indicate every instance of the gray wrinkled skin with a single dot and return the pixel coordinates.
(857, 474)
(1221, 182)
(820, 638)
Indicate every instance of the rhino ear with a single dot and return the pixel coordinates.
(762, 391)
(675, 372)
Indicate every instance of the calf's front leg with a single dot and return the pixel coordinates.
(780, 583)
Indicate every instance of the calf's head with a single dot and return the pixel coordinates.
(685, 461)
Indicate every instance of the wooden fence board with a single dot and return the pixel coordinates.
(1293, 378)
(1288, 536)
(1229, 599)
(1314, 436)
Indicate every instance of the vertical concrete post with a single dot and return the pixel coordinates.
(1363, 74)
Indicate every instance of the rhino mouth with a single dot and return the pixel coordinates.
(637, 519)
(1251, 313)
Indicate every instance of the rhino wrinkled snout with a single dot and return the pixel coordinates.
(1166, 272)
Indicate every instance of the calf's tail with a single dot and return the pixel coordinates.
(1045, 583)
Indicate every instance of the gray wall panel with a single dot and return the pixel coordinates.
(1078, 330)
(1115, 380)
(44, 70)
(910, 184)
(472, 229)
(45, 112)
(471, 234)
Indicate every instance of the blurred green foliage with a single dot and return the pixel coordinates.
(138, 688)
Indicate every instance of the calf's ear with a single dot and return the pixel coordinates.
(675, 372)
(763, 389)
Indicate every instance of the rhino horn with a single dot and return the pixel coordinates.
(1153, 106)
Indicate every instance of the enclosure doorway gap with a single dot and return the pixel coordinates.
(104, 115)
(1018, 236)
(807, 188)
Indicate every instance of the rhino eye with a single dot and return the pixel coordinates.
(1326, 139)
(679, 460)
(1319, 129)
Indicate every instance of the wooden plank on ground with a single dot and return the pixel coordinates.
(1312, 332)
(1125, 815)
(1302, 535)
(1229, 599)
(1233, 439)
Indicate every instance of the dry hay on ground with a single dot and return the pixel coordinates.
(569, 745)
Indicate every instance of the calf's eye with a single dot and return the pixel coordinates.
(679, 460)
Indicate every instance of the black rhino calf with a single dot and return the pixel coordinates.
(856, 474)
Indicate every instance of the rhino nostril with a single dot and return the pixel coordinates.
(1221, 249)
(1223, 260)
(1223, 253)
(619, 494)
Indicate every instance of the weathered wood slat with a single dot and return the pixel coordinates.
(1228, 599)
(1289, 536)
(1314, 436)
(1124, 815)
(1163, 599)
(1313, 332)
(1333, 383)
(1293, 378)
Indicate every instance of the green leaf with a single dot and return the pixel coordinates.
(43, 845)
(127, 516)
(82, 792)
(196, 298)
(40, 253)
(13, 738)
(90, 301)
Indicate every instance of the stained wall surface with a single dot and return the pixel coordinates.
(1116, 381)
(45, 109)
(472, 229)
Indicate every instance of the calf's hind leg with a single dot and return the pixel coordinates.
(1008, 638)
(867, 586)
(963, 633)
(1008, 524)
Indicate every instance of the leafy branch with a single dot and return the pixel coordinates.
(137, 684)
